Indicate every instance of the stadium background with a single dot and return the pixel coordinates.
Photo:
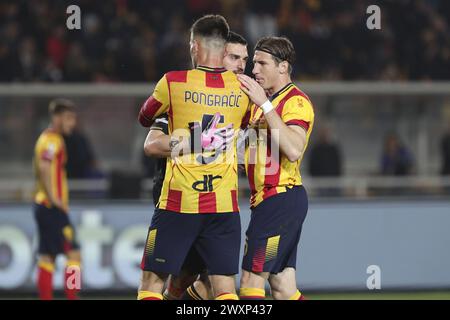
(375, 92)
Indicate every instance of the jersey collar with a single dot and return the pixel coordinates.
(281, 91)
(213, 70)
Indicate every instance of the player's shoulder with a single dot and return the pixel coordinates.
(297, 93)
(230, 77)
(231, 81)
(296, 96)
(176, 76)
(49, 136)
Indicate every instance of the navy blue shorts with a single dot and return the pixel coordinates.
(216, 238)
(194, 264)
(56, 233)
(274, 232)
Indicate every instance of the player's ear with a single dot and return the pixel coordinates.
(284, 67)
(57, 120)
(194, 46)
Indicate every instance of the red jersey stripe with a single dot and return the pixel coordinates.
(59, 169)
(268, 192)
(207, 202)
(234, 200)
(245, 120)
(214, 80)
(176, 76)
(294, 92)
(271, 178)
(301, 123)
(174, 200)
(301, 93)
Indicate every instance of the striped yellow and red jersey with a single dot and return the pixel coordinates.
(50, 147)
(267, 173)
(193, 184)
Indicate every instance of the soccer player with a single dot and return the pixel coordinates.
(236, 53)
(51, 203)
(197, 207)
(192, 283)
(278, 200)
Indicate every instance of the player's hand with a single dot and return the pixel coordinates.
(252, 88)
(213, 138)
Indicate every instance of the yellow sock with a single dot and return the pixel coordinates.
(252, 294)
(227, 296)
(47, 266)
(147, 295)
(73, 263)
(296, 296)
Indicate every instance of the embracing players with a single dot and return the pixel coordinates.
(198, 203)
(192, 283)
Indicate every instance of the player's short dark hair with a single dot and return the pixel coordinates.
(211, 26)
(58, 106)
(234, 37)
(281, 49)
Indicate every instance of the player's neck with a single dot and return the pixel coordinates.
(54, 128)
(210, 59)
(279, 85)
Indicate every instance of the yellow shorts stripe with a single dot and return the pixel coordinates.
(150, 247)
(272, 248)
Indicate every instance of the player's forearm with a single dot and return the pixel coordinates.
(291, 143)
(157, 144)
(160, 145)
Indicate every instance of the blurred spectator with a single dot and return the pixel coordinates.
(138, 41)
(81, 162)
(325, 157)
(445, 149)
(260, 19)
(57, 47)
(76, 64)
(27, 64)
(396, 160)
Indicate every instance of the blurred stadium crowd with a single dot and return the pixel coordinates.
(138, 40)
